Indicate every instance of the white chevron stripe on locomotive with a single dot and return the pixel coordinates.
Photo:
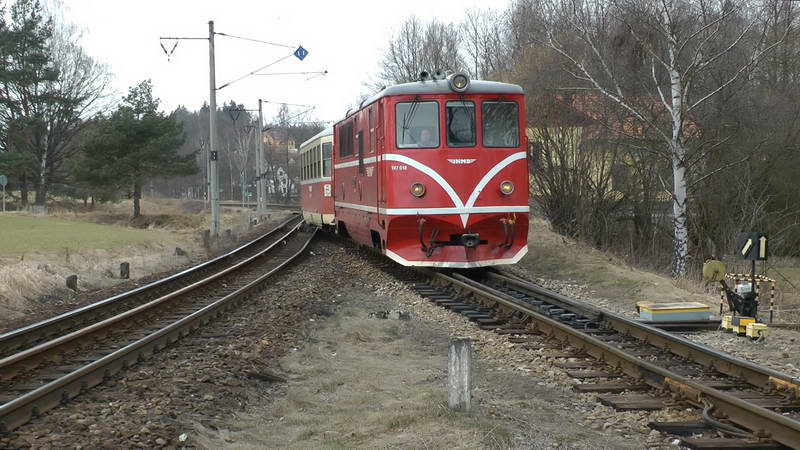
(460, 208)
(434, 211)
(449, 189)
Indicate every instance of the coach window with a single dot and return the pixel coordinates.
(460, 117)
(417, 124)
(500, 124)
(311, 163)
(317, 162)
(303, 166)
(326, 159)
(346, 140)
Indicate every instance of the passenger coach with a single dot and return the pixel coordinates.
(316, 193)
(434, 173)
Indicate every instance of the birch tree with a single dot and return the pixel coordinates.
(654, 59)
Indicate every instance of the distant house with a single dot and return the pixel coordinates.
(276, 139)
(585, 123)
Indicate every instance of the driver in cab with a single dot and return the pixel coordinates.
(425, 139)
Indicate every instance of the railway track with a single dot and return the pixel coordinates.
(631, 365)
(20, 339)
(57, 359)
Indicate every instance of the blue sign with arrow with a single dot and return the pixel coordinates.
(301, 53)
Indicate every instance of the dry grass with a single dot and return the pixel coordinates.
(557, 257)
(29, 282)
(379, 384)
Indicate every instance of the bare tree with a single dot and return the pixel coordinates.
(485, 42)
(417, 47)
(654, 60)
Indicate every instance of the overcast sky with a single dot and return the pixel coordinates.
(346, 38)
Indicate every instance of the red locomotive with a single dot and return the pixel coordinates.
(429, 173)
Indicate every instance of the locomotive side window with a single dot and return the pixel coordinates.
(417, 124)
(326, 158)
(371, 130)
(500, 124)
(360, 143)
(346, 140)
(460, 117)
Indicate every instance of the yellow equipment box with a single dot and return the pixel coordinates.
(757, 330)
(725, 323)
(739, 324)
(673, 312)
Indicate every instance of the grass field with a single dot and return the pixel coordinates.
(22, 234)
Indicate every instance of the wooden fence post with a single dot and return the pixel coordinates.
(459, 373)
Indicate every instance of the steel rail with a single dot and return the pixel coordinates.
(725, 363)
(20, 410)
(30, 333)
(32, 357)
(764, 422)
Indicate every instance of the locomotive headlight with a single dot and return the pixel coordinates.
(507, 187)
(459, 82)
(417, 189)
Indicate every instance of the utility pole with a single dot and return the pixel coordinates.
(261, 183)
(256, 183)
(212, 144)
(300, 53)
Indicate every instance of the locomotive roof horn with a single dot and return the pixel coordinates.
(424, 75)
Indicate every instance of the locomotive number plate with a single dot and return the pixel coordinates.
(400, 167)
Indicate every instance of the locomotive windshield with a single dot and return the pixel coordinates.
(500, 124)
(417, 124)
(460, 124)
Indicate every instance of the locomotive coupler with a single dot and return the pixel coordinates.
(428, 249)
(470, 240)
(508, 232)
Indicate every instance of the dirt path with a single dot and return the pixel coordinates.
(363, 382)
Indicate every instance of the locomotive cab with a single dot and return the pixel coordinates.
(446, 183)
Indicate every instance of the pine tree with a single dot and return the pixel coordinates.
(137, 142)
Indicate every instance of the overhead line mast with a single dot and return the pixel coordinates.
(300, 53)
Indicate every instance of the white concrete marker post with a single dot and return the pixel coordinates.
(459, 373)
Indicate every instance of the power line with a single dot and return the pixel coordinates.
(320, 72)
(253, 72)
(255, 40)
(287, 104)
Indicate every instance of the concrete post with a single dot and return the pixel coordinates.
(125, 270)
(212, 135)
(459, 374)
(72, 282)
